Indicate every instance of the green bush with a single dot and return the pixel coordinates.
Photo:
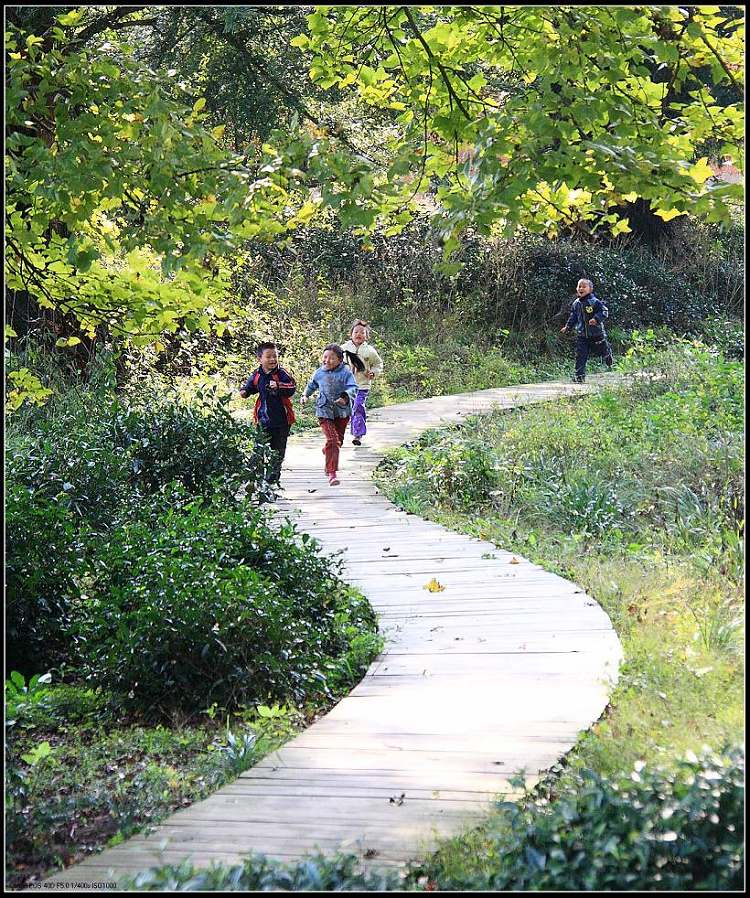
(198, 444)
(77, 469)
(91, 455)
(660, 829)
(519, 282)
(72, 458)
(587, 504)
(43, 557)
(191, 604)
(456, 471)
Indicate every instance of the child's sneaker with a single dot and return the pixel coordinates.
(333, 480)
(609, 361)
(579, 378)
(356, 441)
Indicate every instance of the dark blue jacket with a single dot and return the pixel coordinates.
(582, 311)
(273, 408)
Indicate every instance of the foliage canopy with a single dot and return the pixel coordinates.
(545, 116)
(123, 195)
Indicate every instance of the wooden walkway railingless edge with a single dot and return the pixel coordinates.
(498, 672)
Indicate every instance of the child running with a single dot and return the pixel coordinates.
(365, 364)
(338, 388)
(587, 315)
(273, 411)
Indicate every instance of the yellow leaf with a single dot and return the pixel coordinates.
(434, 586)
(701, 171)
(514, 560)
(668, 214)
(630, 197)
(218, 132)
(621, 227)
(199, 104)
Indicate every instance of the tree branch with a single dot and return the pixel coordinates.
(433, 59)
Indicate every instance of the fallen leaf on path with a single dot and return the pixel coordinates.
(434, 586)
(514, 560)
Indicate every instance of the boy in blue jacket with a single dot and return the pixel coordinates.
(587, 316)
(273, 411)
(333, 407)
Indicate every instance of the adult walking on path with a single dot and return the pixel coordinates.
(496, 672)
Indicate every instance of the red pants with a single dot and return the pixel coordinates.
(334, 431)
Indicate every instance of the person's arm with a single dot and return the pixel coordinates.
(287, 384)
(571, 319)
(311, 387)
(600, 313)
(248, 388)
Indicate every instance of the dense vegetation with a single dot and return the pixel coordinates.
(183, 182)
(146, 583)
(635, 493)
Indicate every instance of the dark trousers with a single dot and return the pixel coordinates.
(277, 437)
(586, 346)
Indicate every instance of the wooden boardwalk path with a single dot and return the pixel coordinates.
(498, 672)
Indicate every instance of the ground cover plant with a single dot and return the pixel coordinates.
(635, 493)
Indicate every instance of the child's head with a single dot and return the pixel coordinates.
(268, 355)
(359, 332)
(333, 356)
(584, 287)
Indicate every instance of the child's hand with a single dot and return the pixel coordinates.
(243, 394)
(303, 399)
(273, 385)
(370, 375)
(341, 401)
(593, 321)
(563, 329)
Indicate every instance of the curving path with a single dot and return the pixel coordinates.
(498, 672)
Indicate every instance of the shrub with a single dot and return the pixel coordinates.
(43, 558)
(85, 463)
(198, 444)
(71, 458)
(92, 454)
(518, 283)
(190, 604)
(587, 505)
(456, 471)
(660, 829)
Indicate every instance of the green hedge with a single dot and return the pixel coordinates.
(523, 283)
(189, 602)
(72, 471)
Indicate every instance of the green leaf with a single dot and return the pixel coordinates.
(38, 754)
